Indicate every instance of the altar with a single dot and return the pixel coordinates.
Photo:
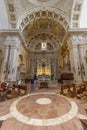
(43, 84)
(44, 78)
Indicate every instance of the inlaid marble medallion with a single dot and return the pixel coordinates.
(43, 101)
(43, 109)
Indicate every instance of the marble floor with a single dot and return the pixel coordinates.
(43, 109)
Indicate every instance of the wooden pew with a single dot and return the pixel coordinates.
(74, 90)
(80, 88)
(22, 89)
(68, 89)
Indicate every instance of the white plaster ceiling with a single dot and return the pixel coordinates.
(3, 16)
(21, 7)
(12, 10)
(24, 6)
(83, 18)
(44, 2)
(35, 18)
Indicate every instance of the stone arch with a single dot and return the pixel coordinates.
(33, 42)
(37, 13)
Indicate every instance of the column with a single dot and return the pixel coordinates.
(5, 60)
(13, 63)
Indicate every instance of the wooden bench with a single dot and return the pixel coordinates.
(68, 89)
(22, 89)
(74, 90)
(80, 88)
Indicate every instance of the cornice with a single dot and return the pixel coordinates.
(9, 30)
(78, 31)
(74, 32)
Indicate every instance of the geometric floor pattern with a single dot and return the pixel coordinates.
(84, 124)
(42, 111)
(57, 111)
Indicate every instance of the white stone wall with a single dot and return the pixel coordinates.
(22, 67)
(78, 47)
(9, 43)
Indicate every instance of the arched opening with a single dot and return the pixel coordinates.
(44, 38)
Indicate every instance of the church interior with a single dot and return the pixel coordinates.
(43, 64)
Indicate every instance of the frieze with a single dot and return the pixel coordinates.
(10, 37)
(79, 38)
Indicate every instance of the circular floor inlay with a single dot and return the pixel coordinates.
(28, 111)
(43, 101)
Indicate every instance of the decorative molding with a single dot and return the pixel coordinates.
(38, 13)
(76, 12)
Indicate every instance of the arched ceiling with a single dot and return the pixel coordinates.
(40, 13)
(18, 8)
(43, 25)
(43, 30)
(43, 20)
(50, 47)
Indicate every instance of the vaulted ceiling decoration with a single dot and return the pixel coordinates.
(50, 47)
(43, 20)
(11, 13)
(44, 23)
(28, 18)
(76, 12)
(43, 30)
(44, 37)
(18, 10)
